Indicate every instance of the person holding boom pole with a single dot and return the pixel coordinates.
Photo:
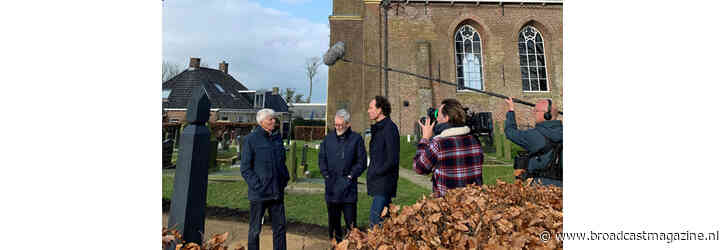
(544, 144)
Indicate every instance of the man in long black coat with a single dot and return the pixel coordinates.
(384, 149)
(342, 160)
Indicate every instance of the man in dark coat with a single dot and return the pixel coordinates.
(538, 141)
(382, 176)
(263, 168)
(342, 160)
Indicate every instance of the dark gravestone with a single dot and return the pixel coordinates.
(190, 182)
(168, 152)
(293, 160)
(305, 148)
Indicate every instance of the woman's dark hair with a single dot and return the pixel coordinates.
(454, 110)
(383, 103)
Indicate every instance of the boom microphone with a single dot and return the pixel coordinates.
(335, 53)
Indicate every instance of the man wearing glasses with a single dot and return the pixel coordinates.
(541, 142)
(342, 159)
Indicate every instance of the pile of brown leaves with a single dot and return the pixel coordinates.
(215, 243)
(502, 216)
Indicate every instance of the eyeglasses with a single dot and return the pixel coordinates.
(339, 125)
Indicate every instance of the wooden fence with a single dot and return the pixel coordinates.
(309, 133)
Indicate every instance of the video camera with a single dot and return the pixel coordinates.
(480, 123)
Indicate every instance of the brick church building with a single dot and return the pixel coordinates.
(513, 48)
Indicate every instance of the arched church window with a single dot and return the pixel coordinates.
(532, 60)
(469, 72)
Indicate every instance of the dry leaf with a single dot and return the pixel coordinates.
(342, 245)
(501, 216)
(461, 227)
(435, 217)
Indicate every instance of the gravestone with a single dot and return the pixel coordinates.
(305, 148)
(188, 202)
(167, 153)
(499, 140)
(292, 160)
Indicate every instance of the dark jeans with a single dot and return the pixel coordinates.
(379, 202)
(279, 223)
(334, 211)
(547, 181)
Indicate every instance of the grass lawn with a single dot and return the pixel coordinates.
(311, 208)
(312, 165)
(407, 152)
(491, 173)
(306, 208)
(223, 154)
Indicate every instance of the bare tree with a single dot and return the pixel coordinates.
(311, 66)
(289, 95)
(169, 70)
(298, 98)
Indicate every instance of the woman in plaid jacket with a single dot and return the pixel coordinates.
(454, 156)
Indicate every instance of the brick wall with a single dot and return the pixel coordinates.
(410, 25)
(345, 80)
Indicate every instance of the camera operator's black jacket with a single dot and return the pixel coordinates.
(384, 150)
(533, 140)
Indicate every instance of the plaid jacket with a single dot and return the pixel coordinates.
(454, 157)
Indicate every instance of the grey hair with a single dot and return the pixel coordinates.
(343, 114)
(262, 114)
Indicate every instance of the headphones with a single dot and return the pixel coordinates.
(547, 115)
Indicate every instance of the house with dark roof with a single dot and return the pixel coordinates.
(308, 111)
(231, 101)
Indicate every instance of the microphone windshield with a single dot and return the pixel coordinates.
(335, 52)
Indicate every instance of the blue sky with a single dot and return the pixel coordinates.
(264, 42)
(314, 10)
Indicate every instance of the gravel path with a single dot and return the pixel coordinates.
(298, 237)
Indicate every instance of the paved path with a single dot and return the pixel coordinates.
(304, 186)
(420, 180)
(316, 186)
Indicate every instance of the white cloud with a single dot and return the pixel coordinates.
(264, 47)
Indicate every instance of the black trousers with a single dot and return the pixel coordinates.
(334, 211)
(279, 223)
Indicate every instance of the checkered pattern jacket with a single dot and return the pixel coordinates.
(454, 157)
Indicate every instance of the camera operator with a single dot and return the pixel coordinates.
(454, 156)
(541, 142)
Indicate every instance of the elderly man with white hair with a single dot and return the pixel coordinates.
(263, 168)
(342, 160)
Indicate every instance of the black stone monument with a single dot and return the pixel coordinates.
(190, 182)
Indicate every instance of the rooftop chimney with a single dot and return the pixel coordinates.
(195, 62)
(224, 67)
(275, 90)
